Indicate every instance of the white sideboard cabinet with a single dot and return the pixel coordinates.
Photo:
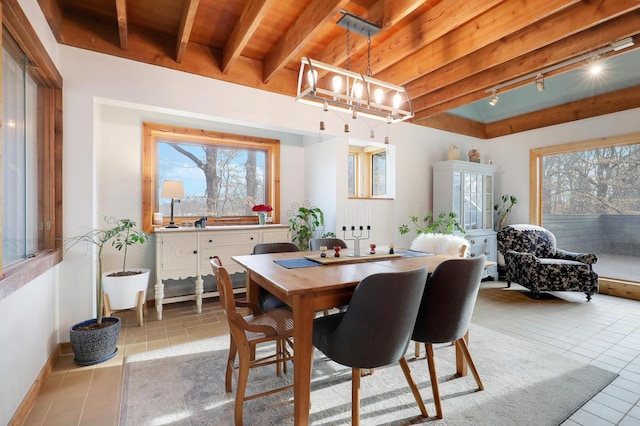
(185, 252)
(466, 189)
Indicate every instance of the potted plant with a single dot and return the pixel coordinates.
(307, 223)
(445, 223)
(504, 207)
(94, 340)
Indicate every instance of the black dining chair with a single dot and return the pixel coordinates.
(375, 330)
(267, 301)
(445, 313)
(329, 243)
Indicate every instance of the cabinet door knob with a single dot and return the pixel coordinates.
(251, 238)
(195, 252)
(210, 241)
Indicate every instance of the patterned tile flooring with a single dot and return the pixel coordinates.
(604, 332)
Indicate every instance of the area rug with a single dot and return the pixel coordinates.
(184, 385)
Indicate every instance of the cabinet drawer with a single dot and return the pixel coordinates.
(478, 246)
(224, 253)
(209, 239)
(275, 236)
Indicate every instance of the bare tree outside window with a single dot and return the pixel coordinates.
(223, 174)
(591, 202)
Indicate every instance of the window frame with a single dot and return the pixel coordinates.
(49, 125)
(154, 133)
(615, 287)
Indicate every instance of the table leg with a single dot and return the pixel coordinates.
(303, 316)
(461, 363)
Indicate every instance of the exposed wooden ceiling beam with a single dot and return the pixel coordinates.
(383, 11)
(252, 15)
(544, 40)
(453, 123)
(186, 25)
(314, 17)
(487, 28)
(121, 11)
(449, 96)
(426, 28)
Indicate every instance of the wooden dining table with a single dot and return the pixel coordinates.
(308, 290)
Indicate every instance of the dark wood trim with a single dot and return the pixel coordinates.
(19, 275)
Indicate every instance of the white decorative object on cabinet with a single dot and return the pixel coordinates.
(185, 252)
(466, 189)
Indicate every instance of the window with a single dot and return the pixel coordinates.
(31, 149)
(371, 170)
(223, 175)
(588, 195)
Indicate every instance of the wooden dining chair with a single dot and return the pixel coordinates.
(267, 300)
(375, 330)
(246, 332)
(445, 313)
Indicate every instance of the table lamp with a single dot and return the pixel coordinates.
(175, 190)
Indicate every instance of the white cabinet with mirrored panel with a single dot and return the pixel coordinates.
(466, 189)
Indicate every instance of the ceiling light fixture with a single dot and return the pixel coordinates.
(494, 98)
(622, 44)
(590, 57)
(540, 82)
(351, 92)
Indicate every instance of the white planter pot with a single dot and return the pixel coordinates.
(123, 291)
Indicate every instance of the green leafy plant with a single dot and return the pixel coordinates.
(122, 233)
(444, 223)
(504, 207)
(305, 224)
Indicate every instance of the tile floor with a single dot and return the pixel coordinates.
(604, 332)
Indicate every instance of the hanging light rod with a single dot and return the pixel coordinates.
(615, 46)
(357, 24)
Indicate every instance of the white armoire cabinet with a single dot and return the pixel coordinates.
(466, 189)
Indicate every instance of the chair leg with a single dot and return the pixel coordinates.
(414, 388)
(243, 377)
(462, 344)
(355, 396)
(508, 284)
(230, 364)
(417, 350)
(434, 380)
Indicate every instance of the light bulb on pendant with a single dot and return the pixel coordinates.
(312, 78)
(377, 95)
(396, 100)
(336, 83)
(358, 88)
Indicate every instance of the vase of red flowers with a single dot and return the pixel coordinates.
(262, 210)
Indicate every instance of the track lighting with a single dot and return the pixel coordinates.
(540, 82)
(494, 98)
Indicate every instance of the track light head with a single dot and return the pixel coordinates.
(540, 82)
(494, 98)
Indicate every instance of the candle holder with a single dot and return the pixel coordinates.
(357, 233)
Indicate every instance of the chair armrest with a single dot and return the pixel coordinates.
(520, 257)
(587, 258)
(246, 304)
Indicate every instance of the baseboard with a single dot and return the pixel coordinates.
(619, 288)
(29, 401)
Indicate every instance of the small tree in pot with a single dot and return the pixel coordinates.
(94, 340)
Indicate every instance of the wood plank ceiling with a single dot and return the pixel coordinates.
(446, 53)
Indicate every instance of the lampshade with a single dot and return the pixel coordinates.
(172, 189)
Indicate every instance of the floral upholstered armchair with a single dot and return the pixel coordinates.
(533, 261)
